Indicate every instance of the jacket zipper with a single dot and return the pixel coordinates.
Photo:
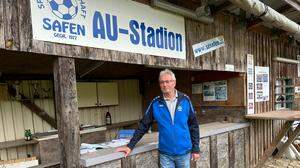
(172, 121)
(176, 106)
(169, 112)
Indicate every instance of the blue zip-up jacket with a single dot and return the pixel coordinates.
(175, 138)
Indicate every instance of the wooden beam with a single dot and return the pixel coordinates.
(17, 143)
(293, 4)
(66, 106)
(34, 108)
(274, 144)
(40, 112)
(257, 22)
(283, 9)
(288, 142)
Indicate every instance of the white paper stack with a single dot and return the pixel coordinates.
(86, 148)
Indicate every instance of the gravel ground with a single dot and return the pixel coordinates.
(282, 163)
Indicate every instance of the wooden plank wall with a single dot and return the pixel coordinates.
(15, 118)
(232, 110)
(264, 49)
(232, 53)
(239, 42)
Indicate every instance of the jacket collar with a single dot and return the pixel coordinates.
(180, 96)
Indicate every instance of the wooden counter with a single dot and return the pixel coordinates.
(288, 115)
(148, 146)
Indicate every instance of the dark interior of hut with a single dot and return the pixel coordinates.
(40, 68)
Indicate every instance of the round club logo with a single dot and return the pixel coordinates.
(64, 9)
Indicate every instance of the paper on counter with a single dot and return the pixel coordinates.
(86, 148)
(118, 142)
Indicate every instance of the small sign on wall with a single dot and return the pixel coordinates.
(297, 89)
(215, 91)
(297, 92)
(298, 58)
(229, 67)
(197, 88)
(250, 84)
(207, 46)
(262, 84)
(298, 70)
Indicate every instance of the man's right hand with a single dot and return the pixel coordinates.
(125, 149)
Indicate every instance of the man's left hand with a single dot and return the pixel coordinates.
(195, 156)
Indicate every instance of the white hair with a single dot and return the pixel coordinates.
(167, 72)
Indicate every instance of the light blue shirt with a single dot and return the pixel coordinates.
(171, 104)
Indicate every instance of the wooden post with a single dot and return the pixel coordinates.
(67, 111)
(213, 151)
(231, 151)
(275, 143)
(288, 142)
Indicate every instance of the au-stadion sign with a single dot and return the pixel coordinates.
(121, 25)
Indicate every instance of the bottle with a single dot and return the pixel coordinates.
(80, 127)
(28, 135)
(108, 118)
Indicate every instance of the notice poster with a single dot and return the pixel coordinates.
(262, 84)
(250, 84)
(215, 91)
(209, 91)
(298, 70)
(297, 92)
(197, 88)
(298, 58)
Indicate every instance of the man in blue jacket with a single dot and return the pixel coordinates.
(177, 125)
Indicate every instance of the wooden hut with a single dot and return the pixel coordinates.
(62, 71)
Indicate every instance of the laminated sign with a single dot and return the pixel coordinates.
(207, 46)
(298, 58)
(250, 84)
(262, 84)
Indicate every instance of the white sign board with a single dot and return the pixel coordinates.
(121, 25)
(262, 84)
(250, 84)
(229, 67)
(297, 89)
(298, 70)
(215, 91)
(298, 58)
(207, 46)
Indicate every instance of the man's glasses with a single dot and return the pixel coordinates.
(166, 81)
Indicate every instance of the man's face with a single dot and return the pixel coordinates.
(166, 83)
